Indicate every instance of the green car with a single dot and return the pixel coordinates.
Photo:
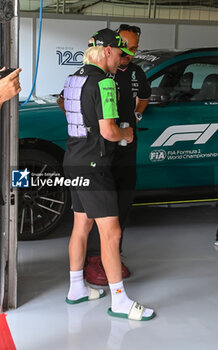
(177, 156)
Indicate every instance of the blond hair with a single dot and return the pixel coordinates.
(93, 54)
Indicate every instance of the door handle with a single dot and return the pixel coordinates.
(142, 129)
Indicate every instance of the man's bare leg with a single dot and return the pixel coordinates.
(110, 233)
(77, 251)
(78, 240)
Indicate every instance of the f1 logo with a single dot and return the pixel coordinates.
(199, 132)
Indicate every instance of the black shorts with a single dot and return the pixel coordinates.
(97, 200)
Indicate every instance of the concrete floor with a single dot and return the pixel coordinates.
(174, 265)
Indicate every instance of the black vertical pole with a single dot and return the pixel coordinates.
(8, 118)
(4, 113)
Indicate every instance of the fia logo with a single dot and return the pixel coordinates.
(157, 155)
(20, 178)
(133, 75)
(67, 58)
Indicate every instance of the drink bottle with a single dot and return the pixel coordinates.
(123, 142)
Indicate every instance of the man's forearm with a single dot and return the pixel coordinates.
(141, 105)
(111, 132)
(114, 133)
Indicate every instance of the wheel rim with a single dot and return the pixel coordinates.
(40, 207)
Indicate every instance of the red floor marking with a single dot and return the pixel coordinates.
(6, 340)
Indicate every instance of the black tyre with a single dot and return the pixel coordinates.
(40, 208)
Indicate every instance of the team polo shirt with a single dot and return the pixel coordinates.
(98, 101)
(131, 82)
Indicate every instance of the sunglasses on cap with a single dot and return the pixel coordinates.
(129, 28)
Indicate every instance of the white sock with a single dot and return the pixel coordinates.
(121, 303)
(78, 289)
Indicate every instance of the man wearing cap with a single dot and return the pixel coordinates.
(91, 110)
(134, 93)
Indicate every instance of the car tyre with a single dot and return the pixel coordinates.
(40, 208)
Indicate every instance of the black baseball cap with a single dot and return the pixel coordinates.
(107, 37)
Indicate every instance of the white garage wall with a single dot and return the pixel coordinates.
(192, 36)
(62, 46)
(64, 40)
(153, 35)
(26, 56)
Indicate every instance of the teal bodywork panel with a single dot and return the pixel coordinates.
(177, 141)
(183, 163)
(43, 121)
